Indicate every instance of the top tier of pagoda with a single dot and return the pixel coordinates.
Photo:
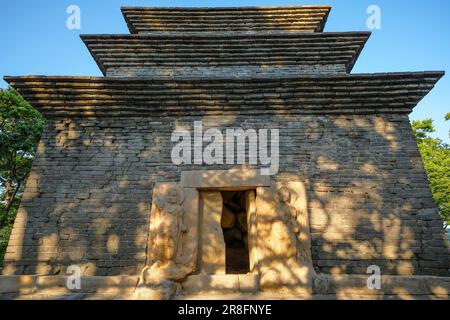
(225, 42)
(237, 20)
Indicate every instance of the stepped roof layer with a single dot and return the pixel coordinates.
(222, 42)
(122, 97)
(278, 50)
(237, 20)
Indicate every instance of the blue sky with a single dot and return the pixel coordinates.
(414, 36)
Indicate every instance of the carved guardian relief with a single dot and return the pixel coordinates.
(284, 226)
(284, 249)
(169, 254)
(167, 228)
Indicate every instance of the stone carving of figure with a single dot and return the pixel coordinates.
(285, 226)
(169, 228)
(166, 231)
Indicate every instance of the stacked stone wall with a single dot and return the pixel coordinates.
(87, 200)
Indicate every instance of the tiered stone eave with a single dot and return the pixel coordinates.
(231, 19)
(96, 97)
(208, 55)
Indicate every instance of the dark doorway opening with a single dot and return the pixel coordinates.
(234, 226)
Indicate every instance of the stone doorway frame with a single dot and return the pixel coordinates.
(209, 184)
(267, 271)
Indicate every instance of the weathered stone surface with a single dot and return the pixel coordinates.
(191, 207)
(208, 283)
(17, 284)
(438, 286)
(245, 283)
(109, 285)
(252, 232)
(113, 285)
(249, 282)
(212, 252)
(166, 290)
(228, 179)
(397, 287)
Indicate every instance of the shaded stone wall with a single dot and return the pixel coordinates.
(88, 198)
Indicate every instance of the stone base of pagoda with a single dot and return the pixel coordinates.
(224, 287)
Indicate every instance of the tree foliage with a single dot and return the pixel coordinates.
(20, 130)
(436, 159)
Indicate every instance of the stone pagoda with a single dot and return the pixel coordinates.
(348, 197)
